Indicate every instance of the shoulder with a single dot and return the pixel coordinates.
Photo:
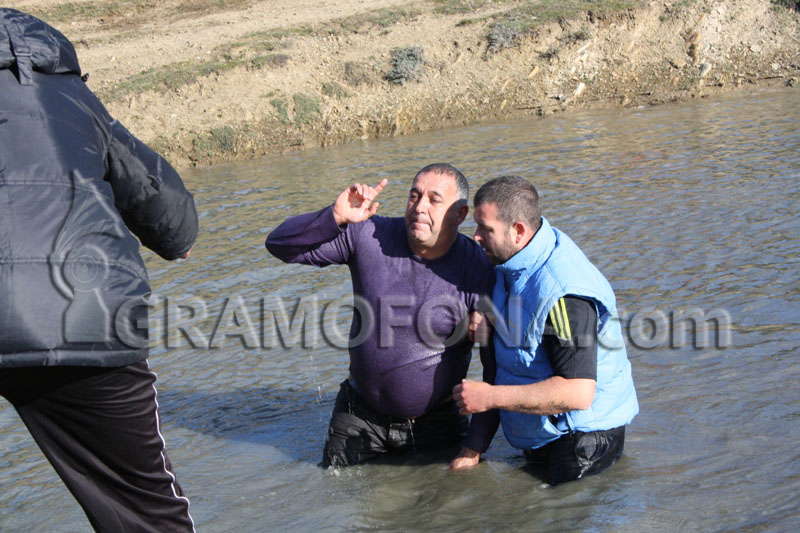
(386, 233)
(578, 307)
(382, 223)
(478, 272)
(471, 249)
(378, 227)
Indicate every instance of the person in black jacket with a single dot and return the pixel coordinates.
(73, 287)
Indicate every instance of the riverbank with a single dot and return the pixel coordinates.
(205, 81)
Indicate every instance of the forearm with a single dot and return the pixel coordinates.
(484, 425)
(552, 396)
(150, 195)
(296, 236)
(482, 428)
(488, 361)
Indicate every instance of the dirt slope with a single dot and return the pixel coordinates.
(209, 80)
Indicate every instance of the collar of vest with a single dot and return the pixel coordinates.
(524, 263)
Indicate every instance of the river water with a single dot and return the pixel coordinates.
(687, 209)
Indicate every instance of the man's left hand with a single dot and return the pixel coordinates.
(478, 330)
(465, 460)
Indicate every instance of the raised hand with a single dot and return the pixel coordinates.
(356, 203)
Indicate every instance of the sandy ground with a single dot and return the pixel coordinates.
(206, 81)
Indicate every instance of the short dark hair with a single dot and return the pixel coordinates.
(516, 200)
(448, 170)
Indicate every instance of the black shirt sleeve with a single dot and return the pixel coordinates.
(570, 338)
(484, 425)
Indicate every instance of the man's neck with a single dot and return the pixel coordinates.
(429, 253)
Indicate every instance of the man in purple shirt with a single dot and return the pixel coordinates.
(416, 281)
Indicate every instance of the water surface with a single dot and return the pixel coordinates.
(690, 207)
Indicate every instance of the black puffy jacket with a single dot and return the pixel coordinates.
(73, 182)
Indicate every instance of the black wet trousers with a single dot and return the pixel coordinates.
(577, 454)
(99, 428)
(357, 433)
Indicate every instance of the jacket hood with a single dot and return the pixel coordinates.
(33, 44)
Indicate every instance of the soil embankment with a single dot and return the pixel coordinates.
(204, 81)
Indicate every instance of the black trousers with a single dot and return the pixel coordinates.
(357, 433)
(577, 454)
(99, 428)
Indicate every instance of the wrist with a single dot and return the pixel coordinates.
(337, 217)
(495, 397)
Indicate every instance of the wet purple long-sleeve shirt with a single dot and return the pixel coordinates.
(408, 335)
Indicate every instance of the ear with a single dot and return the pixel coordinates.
(463, 211)
(519, 232)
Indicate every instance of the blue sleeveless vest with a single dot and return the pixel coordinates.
(527, 287)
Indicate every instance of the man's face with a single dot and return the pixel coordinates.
(493, 235)
(432, 215)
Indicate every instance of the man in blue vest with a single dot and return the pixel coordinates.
(563, 385)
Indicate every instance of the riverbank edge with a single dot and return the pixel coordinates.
(647, 55)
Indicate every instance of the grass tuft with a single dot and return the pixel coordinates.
(334, 90)
(457, 7)
(306, 109)
(166, 78)
(526, 17)
(281, 107)
(378, 18)
(357, 73)
(788, 4)
(218, 140)
(269, 61)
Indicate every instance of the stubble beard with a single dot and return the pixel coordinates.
(501, 254)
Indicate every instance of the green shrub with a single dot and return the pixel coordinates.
(407, 64)
(504, 34)
(788, 4)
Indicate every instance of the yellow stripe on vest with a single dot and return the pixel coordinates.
(565, 318)
(560, 320)
(554, 320)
